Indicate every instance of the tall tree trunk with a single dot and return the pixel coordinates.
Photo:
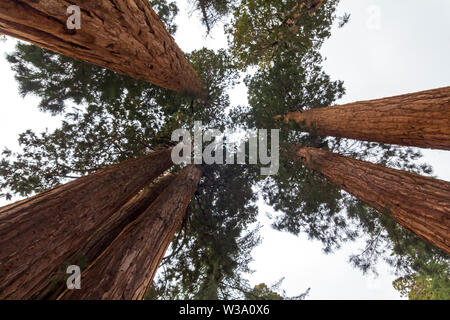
(125, 36)
(37, 235)
(419, 119)
(418, 203)
(126, 268)
(106, 233)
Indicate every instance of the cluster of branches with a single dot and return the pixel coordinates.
(109, 118)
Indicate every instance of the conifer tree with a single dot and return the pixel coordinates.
(38, 234)
(420, 204)
(307, 202)
(420, 119)
(117, 118)
(102, 237)
(126, 36)
(262, 30)
(125, 269)
(430, 284)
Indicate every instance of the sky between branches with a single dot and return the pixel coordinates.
(387, 48)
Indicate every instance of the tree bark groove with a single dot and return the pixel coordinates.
(419, 119)
(125, 270)
(125, 36)
(420, 204)
(39, 234)
(106, 233)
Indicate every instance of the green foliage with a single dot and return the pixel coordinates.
(305, 201)
(212, 11)
(167, 11)
(431, 285)
(263, 30)
(109, 118)
(212, 251)
(262, 292)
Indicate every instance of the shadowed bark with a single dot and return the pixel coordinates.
(419, 119)
(125, 36)
(420, 204)
(39, 234)
(125, 270)
(105, 234)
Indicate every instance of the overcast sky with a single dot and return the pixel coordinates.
(387, 48)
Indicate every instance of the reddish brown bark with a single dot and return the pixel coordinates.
(103, 237)
(418, 203)
(125, 36)
(37, 235)
(106, 233)
(126, 268)
(419, 119)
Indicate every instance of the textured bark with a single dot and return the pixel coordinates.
(37, 235)
(126, 268)
(418, 203)
(105, 234)
(125, 36)
(419, 119)
(127, 214)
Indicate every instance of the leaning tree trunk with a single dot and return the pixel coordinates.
(419, 119)
(418, 203)
(126, 268)
(37, 235)
(106, 233)
(125, 36)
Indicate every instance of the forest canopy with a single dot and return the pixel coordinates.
(275, 48)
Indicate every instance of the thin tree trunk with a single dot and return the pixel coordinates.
(419, 119)
(418, 203)
(125, 36)
(125, 270)
(37, 235)
(105, 234)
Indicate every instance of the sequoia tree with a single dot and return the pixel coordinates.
(262, 30)
(212, 252)
(116, 118)
(106, 233)
(307, 202)
(420, 204)
(125, 36)
(38, 234)
(126, 268)
(420, 119)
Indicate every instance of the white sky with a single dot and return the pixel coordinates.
(387, 48)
